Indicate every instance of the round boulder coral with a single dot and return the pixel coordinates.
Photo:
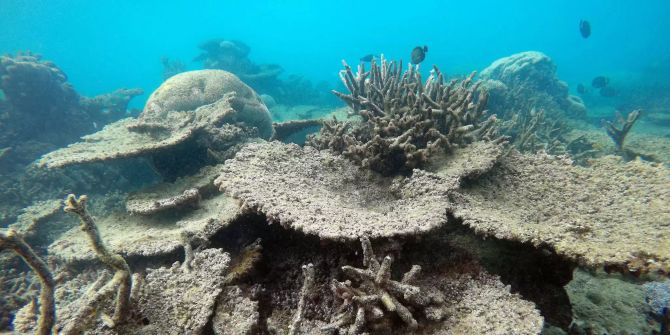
(190, 90)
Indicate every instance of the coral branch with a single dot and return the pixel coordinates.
(307, 286)
(47, 319)
(122, 275)
(619, 129)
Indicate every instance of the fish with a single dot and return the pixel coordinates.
(419, 54)
(600, 81)
(585, 28)
(367, 58)
(608, 92)
(581, 89)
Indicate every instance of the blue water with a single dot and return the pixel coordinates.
(104, 45)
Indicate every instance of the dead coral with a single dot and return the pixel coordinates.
(179, 302)
(320, 193)
(619, 129)
(47, 311)
(532, 132)
(611, 214)
(121, 282)
(307, 287)
(378, 294)
(183, 118)
(406, 120)
(158, 233)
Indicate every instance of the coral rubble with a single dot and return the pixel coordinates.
(405, 121)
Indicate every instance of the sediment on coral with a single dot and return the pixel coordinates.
(610, 214)
(405, 121)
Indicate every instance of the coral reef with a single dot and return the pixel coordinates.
(195, 116)
(405, 120)
(233, 56)
(38, 98)
(525, 81)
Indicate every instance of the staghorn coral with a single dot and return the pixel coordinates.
(121, 282)
(533, 132)
(377, 292)
(618, 131)
(47, 310)
(405, 121)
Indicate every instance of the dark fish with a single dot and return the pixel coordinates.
(600, 82)
(367, 58)
(419, 54)
(608, 92)
(581, 89)
(585, 28)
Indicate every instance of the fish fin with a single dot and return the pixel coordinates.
(425, 48)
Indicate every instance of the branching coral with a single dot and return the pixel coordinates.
(121, 280)
(532, 131)
(307, 287)
(47, 319)
(377, 293)
(404, 119)
(619, 129)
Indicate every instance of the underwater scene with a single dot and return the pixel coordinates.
(334, 167)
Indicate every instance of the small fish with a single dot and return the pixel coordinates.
(419, 54)
(367, 58)
(608, 92)
(581, 89)
(585, 28)
(600, 81)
